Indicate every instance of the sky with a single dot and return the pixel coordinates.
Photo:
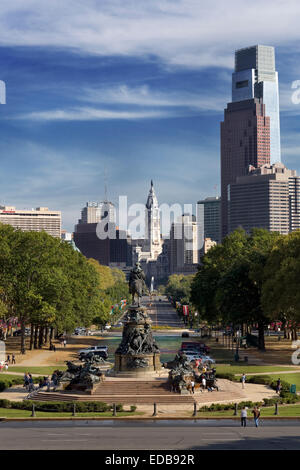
(125, 91)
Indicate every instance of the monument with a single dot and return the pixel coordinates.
(138, 353)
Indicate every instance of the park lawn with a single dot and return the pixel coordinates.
(292, 379)
(250, 369)
(11, 413)
(283, 410)
(42, 370)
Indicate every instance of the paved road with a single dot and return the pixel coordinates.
(179, 435)
(162, 313)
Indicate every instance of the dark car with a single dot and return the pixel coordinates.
(19, 332)
(185, 334)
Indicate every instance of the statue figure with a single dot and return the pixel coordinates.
(137, 284)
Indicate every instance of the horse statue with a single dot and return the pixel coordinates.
(137, 286)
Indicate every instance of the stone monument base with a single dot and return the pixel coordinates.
(136, 365)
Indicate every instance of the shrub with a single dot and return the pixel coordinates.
(226, 375)
(132, 408)
(119, 407)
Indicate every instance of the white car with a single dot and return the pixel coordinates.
(208, 359)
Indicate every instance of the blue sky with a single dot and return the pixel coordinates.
(133, 87)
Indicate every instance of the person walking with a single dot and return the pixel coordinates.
(256, 415)
(193, 386)
(244, 417)
(203, 382)
(65, 342)
(8, 359)
(26, 380)
(278, 386)
(13, 359)
(243, 380)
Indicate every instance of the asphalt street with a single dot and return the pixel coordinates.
(162, 313)
(149, 435)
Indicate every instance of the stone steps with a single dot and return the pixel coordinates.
(142, 399)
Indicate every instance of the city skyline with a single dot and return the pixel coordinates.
(76, 107)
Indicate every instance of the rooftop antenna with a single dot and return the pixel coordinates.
(105, 185)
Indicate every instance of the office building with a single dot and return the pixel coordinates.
(183, 247)
(94, 212)
(265, 199)
(209, 211)
(36, 220)
(255, 76)
(245, 140)
(294, 194)
(113, 251)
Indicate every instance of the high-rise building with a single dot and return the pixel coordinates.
(36, 220)
(265, 198)
(294, 192)
(113, 251)
(210, 209)
(184, 250)
(245, 140)
(94, 212)
(255, 77)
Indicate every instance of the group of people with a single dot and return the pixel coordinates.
(202, 378)
(28, 382)
(47, 382)
(244, 414)
(9, 360)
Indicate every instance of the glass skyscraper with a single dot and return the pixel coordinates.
(255, 77)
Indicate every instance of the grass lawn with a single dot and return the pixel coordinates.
(43, 370)
(283, 410)
(291, 379)
(250, 369)
(11, 413)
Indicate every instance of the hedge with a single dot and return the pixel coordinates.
(8, 381)
(62, 407)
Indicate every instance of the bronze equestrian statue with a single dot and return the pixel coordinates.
(137, 284)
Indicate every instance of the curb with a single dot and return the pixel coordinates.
(153, 418)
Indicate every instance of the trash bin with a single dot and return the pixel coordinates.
(293, 388)
(246, 358)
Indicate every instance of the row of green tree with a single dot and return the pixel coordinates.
(48, 285)
(250, 279)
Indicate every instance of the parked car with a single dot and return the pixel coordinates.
(19, 332)
(185, 334)
(97, 350)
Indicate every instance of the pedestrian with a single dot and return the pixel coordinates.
(256, 415)
(278, 386)
(13, 359)
(8, 359)
(1, 365)
(65, 342)
(244, 417)
(30, 383)
(193, 386)
(243, 380)
(26, 380)
(6, 366)
(203, 382)
(48, 383)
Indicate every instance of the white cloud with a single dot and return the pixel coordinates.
(144, 96)
(186, 33)
(89, 114)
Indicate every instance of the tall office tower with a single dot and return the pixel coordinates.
(255, 77)
(34, 220)
(153, 242)
(94, 212)
(211, 216)
(245, 140)
(184, 250)
(262, 199)
(294, 192)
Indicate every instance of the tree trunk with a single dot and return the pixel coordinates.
(51, 333)
(31, 336)
(261, 337)
(36, 330)
(46, 334)
(294, 334)
(41, 337)
(23, 344)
